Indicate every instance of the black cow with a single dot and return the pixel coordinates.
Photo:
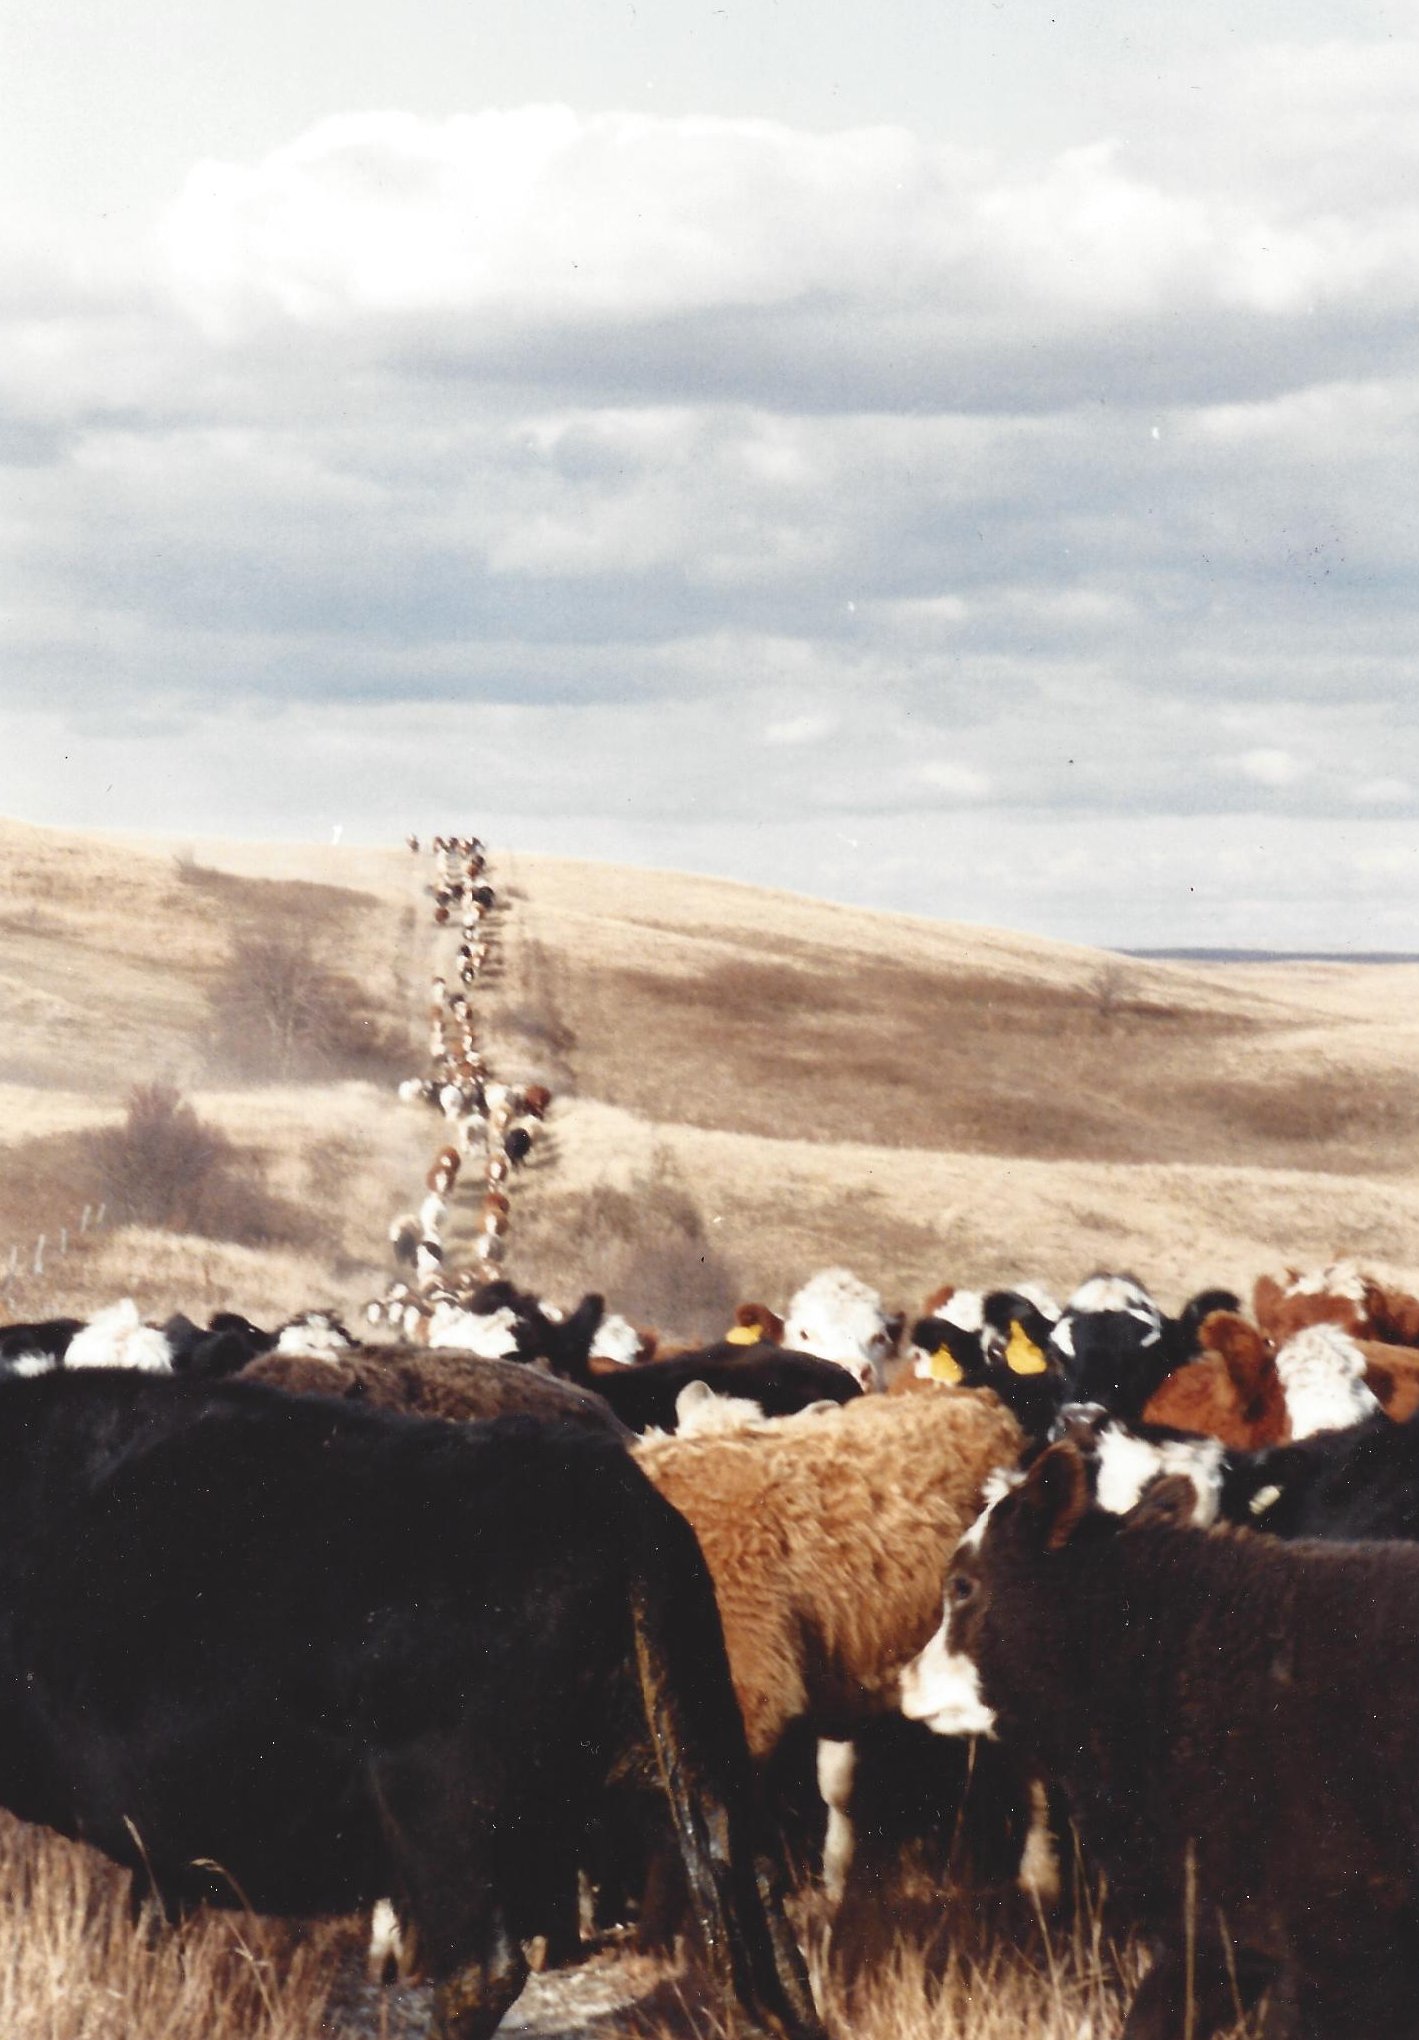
(228, 1344)
(1362, 1482)
(49, 1340)
(780, 1383)
(1232, 1721)
(1007, 1351)
(308, 1654)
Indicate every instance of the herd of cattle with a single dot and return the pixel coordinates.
(488, 1124)
(333, 1623)
(512, 1623)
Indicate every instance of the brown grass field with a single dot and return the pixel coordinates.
(749, 1086)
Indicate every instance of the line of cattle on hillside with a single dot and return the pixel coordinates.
(521, 1625)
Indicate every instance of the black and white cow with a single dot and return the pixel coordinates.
(1116, 1346)
(316, 1655)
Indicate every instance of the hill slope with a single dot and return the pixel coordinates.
(749, 1085)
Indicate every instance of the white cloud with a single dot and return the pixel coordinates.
(1267, 766)
(797, 730)
(946, 775)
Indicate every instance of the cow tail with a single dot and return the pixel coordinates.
(698, 1737)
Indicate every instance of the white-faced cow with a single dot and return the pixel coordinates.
(315, 1655)
(1232, 1721)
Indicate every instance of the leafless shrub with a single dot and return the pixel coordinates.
(649, 1249)
(166, 1167)
(280, 1010)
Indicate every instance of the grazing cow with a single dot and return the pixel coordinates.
(1231, 1719)
(309, 1655)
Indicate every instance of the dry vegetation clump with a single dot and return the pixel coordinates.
(279, 1008)
(165, 1272)
(74, 1966)
(647, 1246)
(166, 1167)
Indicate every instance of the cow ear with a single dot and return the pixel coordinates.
(1057, 1493)
(1245, 1352)
(1169, 1502)
(1265, 1300)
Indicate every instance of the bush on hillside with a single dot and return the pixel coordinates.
(279, 1010)
(166, 1167)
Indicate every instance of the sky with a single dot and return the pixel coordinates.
(952, 458)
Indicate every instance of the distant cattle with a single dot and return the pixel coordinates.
(1232, 1721)
(280, 1650)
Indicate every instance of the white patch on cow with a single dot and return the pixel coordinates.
(616, 1340)
(1062, 1338)
(390, 1954)
(965, 1309)
(997, 1486)
(488, 1334)
(700, 1412)
(942, 1688)
(1115, 1293)
(26, 1365)
(1038, 1876)
(314, 1335)
(118, 1337)
(1127, 1465)
(839, 1318)
(1322, 1375)
(837, 1764)
(1040, 1297)
(432, 1213)
(1341, 1278)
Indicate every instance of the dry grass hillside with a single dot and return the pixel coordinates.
(749, 1085)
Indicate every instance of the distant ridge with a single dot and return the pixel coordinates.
(1272, 955)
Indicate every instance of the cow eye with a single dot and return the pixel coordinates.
(961, 1588)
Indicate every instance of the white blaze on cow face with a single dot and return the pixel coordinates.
(941, 1687)
(1322, 1374)
(837, 1317)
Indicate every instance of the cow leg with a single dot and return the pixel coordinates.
(470, 2004)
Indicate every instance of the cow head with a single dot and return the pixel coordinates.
(1005, 1635)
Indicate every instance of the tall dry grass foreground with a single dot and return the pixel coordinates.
(74, 1965)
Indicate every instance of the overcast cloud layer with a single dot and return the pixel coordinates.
(1029, 537)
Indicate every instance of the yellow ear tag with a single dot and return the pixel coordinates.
(1022, 1355)
(946, 1367)
(743, 1335)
